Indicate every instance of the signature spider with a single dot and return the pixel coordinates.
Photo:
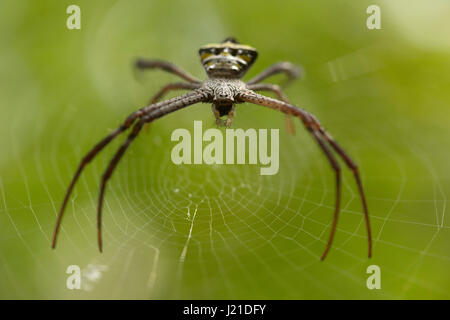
(225, 64)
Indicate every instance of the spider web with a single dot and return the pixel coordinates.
(221, 231)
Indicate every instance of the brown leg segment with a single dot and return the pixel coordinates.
(352, 166)
(155, 113)
(86, 159)
(292, 72)
(166, 66)
(173, 86)
(320, 135)
(167, 88)
(158, 110)
(216, 112)
(290, 128)
(230, 116)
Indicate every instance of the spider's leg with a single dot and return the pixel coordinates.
(312, 124)
(352, 166)
(86, 159)
(173, 86)
(219, 121)
(137, 127)
(230, 111)
(151, 115)
(166, 66)
(269, 87)
(230, 116)
(290, 128)
(337, 169)
(292, 72)
(168, 87)
(96, 149)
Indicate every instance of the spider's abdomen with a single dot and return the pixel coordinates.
(227, 59)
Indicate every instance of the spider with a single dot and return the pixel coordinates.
(225, 64)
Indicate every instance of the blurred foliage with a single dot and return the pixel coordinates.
(382, 93)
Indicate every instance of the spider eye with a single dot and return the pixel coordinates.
(233, 52)
(214, 50)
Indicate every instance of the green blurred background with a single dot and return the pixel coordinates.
(384, 95)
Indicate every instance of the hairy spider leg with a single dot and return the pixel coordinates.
(352, 166)
(292, 72)
(230, 115)
(169, 87)
(193, 83)
(320, 135)
(219, 121)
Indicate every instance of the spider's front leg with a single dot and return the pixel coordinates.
(146, 114)
(169, 87)
(323, 139)
(191, 84)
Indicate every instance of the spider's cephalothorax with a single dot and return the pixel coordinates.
(228, 59)
(225, 63)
